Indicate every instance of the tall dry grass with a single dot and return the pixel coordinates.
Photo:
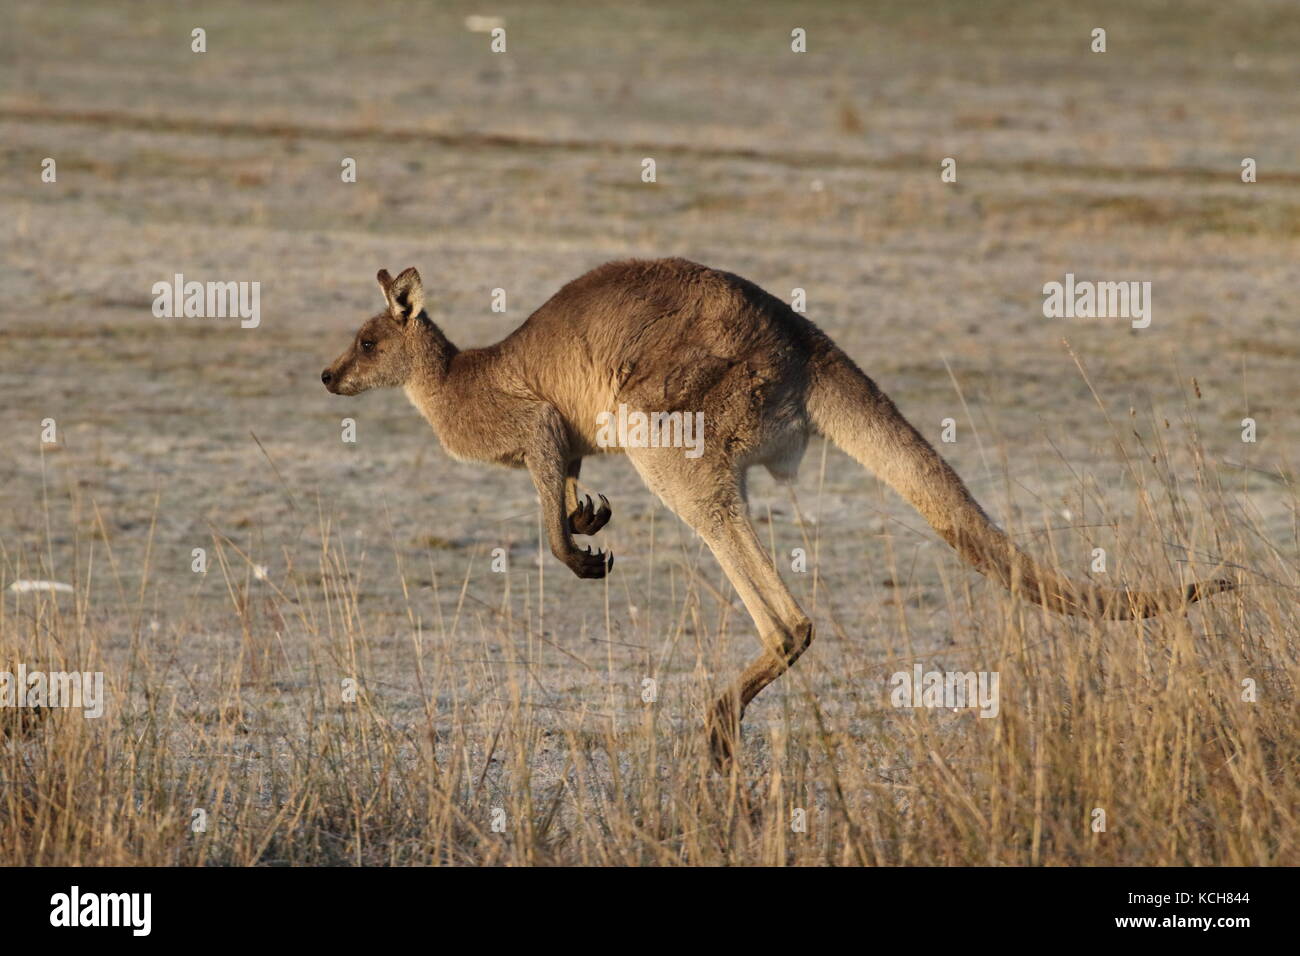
(1144, 721)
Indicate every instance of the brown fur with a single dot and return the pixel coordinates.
(670, 335)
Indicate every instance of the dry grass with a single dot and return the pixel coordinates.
(1145, 721)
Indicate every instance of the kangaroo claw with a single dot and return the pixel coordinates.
(587, 518)
(586, 563)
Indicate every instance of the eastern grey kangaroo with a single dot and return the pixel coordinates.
(669, 335)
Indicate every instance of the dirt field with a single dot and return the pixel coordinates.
(522, 692)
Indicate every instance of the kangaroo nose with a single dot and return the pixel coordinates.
(326, 377)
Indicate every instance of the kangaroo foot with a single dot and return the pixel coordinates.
(724, 733)
(587, 519)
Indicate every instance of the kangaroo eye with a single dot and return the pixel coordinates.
(367, 346)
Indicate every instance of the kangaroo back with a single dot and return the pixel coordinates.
(849, 409)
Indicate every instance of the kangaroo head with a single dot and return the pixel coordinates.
(386, 349)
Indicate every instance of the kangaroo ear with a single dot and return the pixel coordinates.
(405, 294)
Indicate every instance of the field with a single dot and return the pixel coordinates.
(350, 681)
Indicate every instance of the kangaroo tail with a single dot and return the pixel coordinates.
(849, 409)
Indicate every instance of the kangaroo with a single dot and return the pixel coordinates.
(668, 335)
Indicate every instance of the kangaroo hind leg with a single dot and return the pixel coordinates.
(715, 508)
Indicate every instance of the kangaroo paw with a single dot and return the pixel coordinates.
(586, 563)
(587, 518)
